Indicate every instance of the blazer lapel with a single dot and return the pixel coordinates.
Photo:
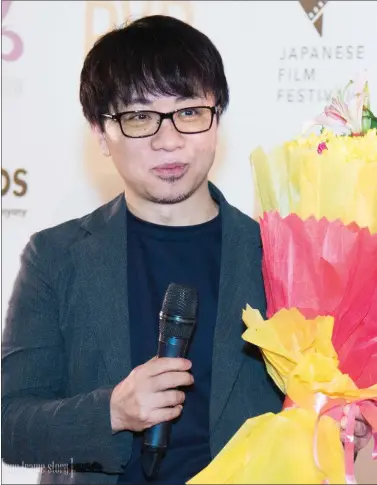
(101, 264)
(241, 259)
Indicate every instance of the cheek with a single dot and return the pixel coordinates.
(205, 148)
(130, 157)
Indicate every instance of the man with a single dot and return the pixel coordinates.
(80, 381)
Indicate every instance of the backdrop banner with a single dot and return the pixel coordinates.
(282, 60)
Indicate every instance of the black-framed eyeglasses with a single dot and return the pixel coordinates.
(144, 123)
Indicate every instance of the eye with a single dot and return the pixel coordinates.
(139, 117)
(189, 112)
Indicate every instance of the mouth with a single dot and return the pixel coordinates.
(169, 170)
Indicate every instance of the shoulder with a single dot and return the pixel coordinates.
(246, 227)
(52, 244)
(244, 220)
(234, 218)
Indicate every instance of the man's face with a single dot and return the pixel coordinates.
(169, 166)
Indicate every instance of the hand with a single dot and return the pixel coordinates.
(148, 395)
(362, 433)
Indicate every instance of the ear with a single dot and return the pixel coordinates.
(101, 138)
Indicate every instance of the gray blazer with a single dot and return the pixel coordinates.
(66, 345)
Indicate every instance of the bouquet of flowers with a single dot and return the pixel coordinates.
(318, 195)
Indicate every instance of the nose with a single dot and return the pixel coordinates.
(167, 138)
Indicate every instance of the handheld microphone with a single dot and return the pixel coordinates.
(177, 323)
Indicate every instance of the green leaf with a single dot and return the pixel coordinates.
(367, 112)
(369, 121)
(366, 124)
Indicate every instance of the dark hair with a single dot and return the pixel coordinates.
(155, 55)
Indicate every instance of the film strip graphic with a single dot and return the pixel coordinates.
(314, 11)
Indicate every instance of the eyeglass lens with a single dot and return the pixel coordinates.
(186, 120)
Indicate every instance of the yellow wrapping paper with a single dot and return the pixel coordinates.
(280, 449)
(339, 183)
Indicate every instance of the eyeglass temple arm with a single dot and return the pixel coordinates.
(112, 117)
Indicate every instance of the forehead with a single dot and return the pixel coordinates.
(167, 103)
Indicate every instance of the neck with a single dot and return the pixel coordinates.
(197, 209)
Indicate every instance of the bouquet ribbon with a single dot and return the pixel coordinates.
(335, 408)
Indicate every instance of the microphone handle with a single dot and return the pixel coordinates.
(156, 438)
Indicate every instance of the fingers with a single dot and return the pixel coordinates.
(358, 414)
(168, 399)
(161, 365)
(165, 414)
(362, 432)
(171, 380)
(361, 428)
(149, 394)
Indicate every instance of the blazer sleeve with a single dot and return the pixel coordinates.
(40, 425)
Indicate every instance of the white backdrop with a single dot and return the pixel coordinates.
(280, 67)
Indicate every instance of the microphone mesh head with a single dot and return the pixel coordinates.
(180, 301)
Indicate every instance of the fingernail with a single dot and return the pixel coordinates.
(346, 409)
(343, 422)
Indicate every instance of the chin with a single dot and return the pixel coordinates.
(170, 198)
(173, 190)
(171, 195)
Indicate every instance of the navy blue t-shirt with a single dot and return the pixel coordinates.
(157, 256)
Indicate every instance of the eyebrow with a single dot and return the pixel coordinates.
(140, 101)
(147, 102)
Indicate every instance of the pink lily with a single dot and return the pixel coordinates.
(346, 109)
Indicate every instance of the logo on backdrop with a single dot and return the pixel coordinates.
(303, 74)
(10, 40)
(13, 184)
(314, 11)
(113, 13)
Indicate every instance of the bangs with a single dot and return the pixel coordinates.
(157, 70)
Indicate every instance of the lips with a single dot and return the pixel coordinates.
(167, 170)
